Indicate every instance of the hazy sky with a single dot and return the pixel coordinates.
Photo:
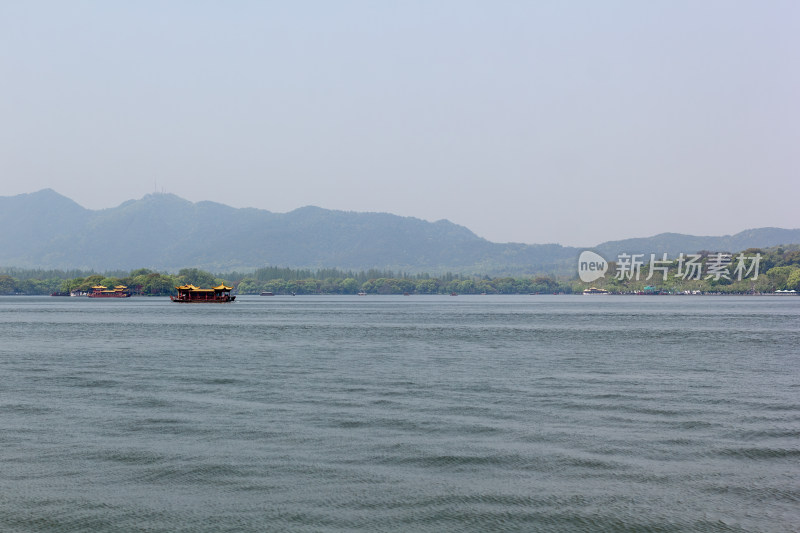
(529, 121)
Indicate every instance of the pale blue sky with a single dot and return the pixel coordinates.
(571, 122)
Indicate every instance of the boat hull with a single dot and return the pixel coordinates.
(178, 300)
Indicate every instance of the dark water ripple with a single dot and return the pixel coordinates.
(401, 414)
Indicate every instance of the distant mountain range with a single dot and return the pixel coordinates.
(165, 232)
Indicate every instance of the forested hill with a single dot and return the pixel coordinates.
(165, 232)
(675, 243)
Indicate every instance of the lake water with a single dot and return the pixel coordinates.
(420, 413)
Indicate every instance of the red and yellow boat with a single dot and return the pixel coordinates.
(189, 294)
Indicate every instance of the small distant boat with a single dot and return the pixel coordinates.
(267, 293)
(101, 291)
(362, 293)
(595, 290)
(195, 295)
(453, 294)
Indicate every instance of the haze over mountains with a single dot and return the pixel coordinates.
(165, 232)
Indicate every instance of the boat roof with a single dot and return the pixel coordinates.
(191, 287)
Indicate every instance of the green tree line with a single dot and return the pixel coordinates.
(778, 269)
(281, 281)
(402, 285)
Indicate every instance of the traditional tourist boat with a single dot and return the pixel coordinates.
(101, 291)
(595, 290)
(195, 295)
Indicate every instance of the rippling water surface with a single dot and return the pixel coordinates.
(473, 413)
